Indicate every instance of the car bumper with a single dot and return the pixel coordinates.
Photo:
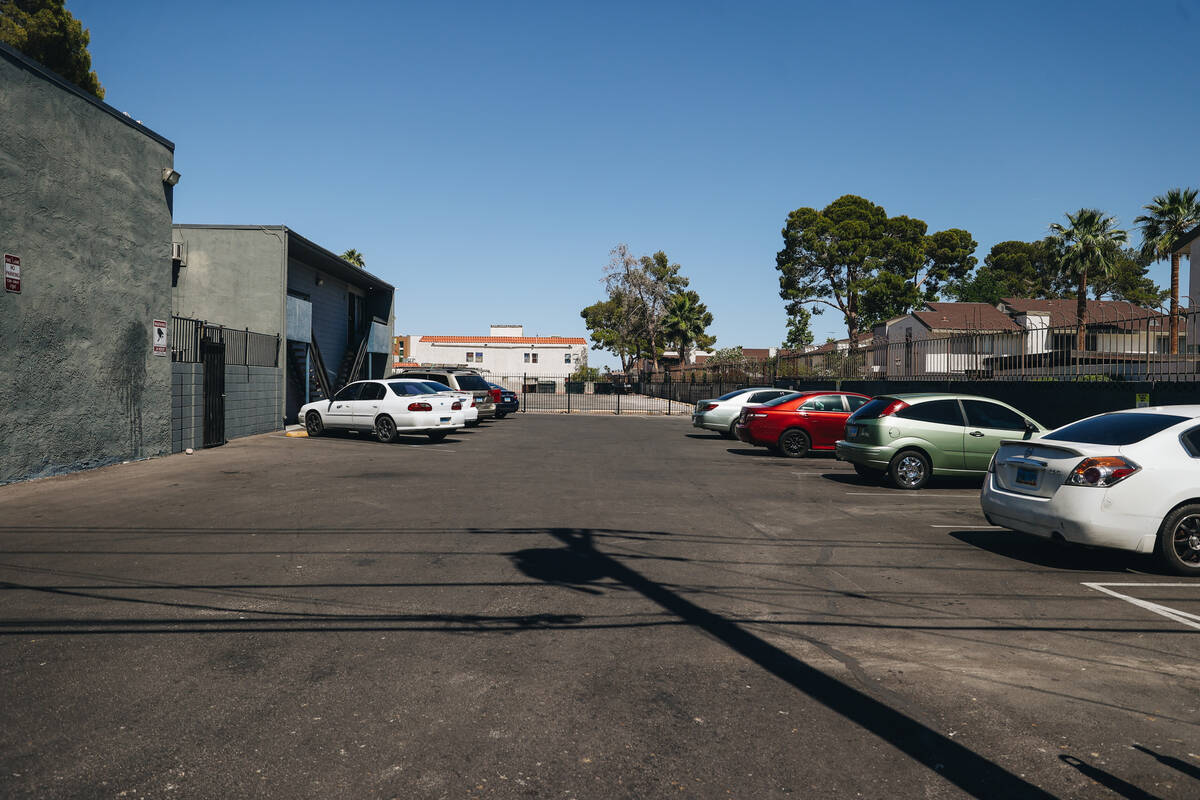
(1078, 514)
(867, 455)
(712, 422)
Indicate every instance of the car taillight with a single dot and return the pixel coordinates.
(472, 402)
(893, 407)
(456, 405)
(1102, 472)
(420, 407)
(709, 407)
(495, 393)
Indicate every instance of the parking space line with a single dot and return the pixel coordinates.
(972, 527)
(913, 495)
(1182, 617)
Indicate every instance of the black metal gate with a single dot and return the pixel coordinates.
(212, 354)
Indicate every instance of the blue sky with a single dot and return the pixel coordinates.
(486, 157)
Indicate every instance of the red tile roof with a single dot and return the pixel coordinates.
(505, 339)
(973, 317)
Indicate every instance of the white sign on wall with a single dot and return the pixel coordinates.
(12, 273)
(160, 337)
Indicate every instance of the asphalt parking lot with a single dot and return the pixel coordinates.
(571, 607)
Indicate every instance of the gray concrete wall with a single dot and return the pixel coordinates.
(234, 277)
(86, 209)
(253, 396)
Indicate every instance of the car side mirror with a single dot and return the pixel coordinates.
(1030, 429)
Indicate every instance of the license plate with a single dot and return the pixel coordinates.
(851, 431)
(444, 419)
(1027, 476)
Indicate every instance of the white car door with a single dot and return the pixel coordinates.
(367, 406)
(340, 412)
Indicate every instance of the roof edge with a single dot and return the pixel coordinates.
(19, 58)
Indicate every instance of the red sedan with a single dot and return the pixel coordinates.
(796, 423)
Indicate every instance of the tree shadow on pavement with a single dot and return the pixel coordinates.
(960, 766)
(1056, 555)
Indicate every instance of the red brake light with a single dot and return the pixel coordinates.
(709, 407)
(472, 402)
(456, 405)
(495, 393)
(893, 407)
(420, 407)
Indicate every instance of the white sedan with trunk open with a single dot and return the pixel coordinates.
(387, 408)
(1128, 480)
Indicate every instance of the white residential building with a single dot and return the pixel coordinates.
(505, 351)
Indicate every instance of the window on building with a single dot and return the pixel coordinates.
(470, 357)
(566, 358)
(527, 358)
(478, 357)
(533, 358)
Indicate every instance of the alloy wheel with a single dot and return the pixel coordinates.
(1186, 539)
(911, 470)
(385, 429)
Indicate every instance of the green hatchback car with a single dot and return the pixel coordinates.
(912, 437)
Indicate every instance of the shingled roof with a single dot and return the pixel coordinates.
(1118, 313)
(965, 318)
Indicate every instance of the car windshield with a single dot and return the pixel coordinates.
(783, 399)
(438, 387)
(472, 382)
(403, 388)
(1115, 429)
(733, 394)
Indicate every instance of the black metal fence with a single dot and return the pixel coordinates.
(606, 395)
(1126, 344)
(243, 347)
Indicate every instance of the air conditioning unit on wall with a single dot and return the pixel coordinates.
(179, 253)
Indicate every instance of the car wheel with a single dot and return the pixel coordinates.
(474, 424)
(1179, 540)
(794, 443)
(385, 428)
(437, 436)
(731, 433)
(313, 424)
(909, 470)
(501, 414)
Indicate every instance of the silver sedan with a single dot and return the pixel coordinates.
(720, 414)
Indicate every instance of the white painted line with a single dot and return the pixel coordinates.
(913, 495)
(972, 527)
(1182, 617)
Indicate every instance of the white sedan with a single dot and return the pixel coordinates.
(386, 407)
(721, 413)
(470, 410)
(1128, 480)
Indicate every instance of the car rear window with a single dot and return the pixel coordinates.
(471, 382)
(939, 412)
(778, 401)
(1115, 429)
(404, 388)
(873, 408)
(731, 395)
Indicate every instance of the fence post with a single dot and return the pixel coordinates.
(567, 389)
(524, 398)
(618, 401)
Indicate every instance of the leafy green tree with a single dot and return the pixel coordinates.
(727, 355)
(799, 331)
(1170, 217)
(355, 258)
(613, 329)
(853, 258)
(1127, 279)
(46, 32)
(585, 373)
(1010, 269)
(1090, 242)
(685, 322)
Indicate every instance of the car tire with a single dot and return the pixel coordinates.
(437, 436)
(1179, 540)
(794, 443)
(385, 429)
(910, 469)
(501, 414)
(313, 425)
(730, 433)
(474, 424)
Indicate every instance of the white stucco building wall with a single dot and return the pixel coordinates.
(506, 350)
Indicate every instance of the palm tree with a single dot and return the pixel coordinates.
(1089, 243)
(355, 258)
(1171, 215)
(684, 322)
